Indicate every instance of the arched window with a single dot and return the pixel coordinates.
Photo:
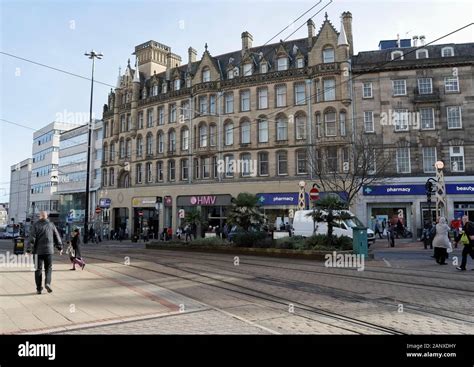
(111, 177)
(149, 144)
(122, 149)
(282, 162)
(112, 152)
(262, 129)
(148, 172)
(171, 141)
(212, 135)
(281, 128)
(397, 55)
(160, 142)
(206, 75)
(185, 138)
(447, 52)
(104, 177)
(106, 152)
(229, 133)
(342, 123)
(128, 148)
(203, 136)
(300, 126)
(328, 54)
(330, 122)
(245, 132)
(422, 54)
(139, 146)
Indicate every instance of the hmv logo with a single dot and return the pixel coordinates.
(203, 200)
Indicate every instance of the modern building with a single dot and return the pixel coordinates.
(20, 181)
(417, 103)
(72, 169)
(44, 174)
(197, 134)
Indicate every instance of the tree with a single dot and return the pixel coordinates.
(366, 163)
(245, 212)
(328, 209)
(194, 219)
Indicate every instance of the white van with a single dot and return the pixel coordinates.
(303, 226)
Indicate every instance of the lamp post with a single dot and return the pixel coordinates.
(91, 55)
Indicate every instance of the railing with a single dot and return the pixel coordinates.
(434, 96)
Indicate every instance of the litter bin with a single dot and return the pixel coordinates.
(359, 241)
(135, 238)
(18, 245)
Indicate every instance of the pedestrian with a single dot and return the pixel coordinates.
(44, 237)
(76, 247)
(428, 235)
(391, 234)
(441, 242)
(400, 229)
(378, 228)
(456, 227)
(188, 233)
(467, 239)
(169, 234)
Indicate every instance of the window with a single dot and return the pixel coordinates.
(403, 160)
(149, 120)
(206, 75)
(328, 55)
(247, 69)
(177, 84)
(106, 151)
(245, 132)
(111, 177)
(171, 170)
(399, 87)
(212, 104)
(342, 123)
(427, 118)
(129, 122)
(346, 161)
(300, 126)
(128, 148)
(154, 90)
(161, 115)
(229, 103)
(282, 63)
(454, 117)
(300, 63)
(451, 84)
(401, 120)
(139, 173)
(397, 55)
(161, 142)
(112, 152)
(196, 168)
(331, 156)
(212, 135)
(184, 169)
(104, 177)
(203, 136)
(318, 125)
(246, 164)
(122, 149)
(447, 52)
(172, 141)
(282, 163)
(140, 120)
(330, 123)
(229, 134)
(263, 164)
(425, 86)
(301, 162)
(229, 165)
(429, 159)
(367, 90)
(149, 177)
(185, 110)
(245, 100)
(185, 139)
(230, 74)
(262, 98)
(203, 105)
(369, 121)
(262, 131)
(159, 171)
(329, 89)
(172, 112)
(300, 94)
(139, 146)
(456, 156)
(122, 124)
(281, 96)
(264, 68)
(106, 129)
(422, 54)
(282, 129)
(149, 144)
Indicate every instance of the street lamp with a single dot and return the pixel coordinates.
(91, 55)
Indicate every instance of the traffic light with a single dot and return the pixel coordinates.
(159, 199)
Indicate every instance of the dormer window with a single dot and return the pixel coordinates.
(264, 68)
(206, 75)
(282, 63)
(328, 55)
(299, 62)
(230, 74)
(155, 90)
(447, 52)
(397, 55)
(144, 95)
(177, 84)
(247, 69)
(188, 82)
(164, 89)
(421, 54)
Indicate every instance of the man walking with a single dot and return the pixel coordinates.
(44, 237)
(468, 228)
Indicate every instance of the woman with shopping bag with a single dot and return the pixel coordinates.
(441, 242)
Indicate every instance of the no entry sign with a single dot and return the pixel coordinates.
(314, 194)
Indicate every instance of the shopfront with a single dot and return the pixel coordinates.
(145, 217)
(277, 206)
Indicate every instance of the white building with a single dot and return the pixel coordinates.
(45, 168)
(20, 177)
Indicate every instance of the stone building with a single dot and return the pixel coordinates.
(197, 134)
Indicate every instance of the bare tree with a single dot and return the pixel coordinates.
(364, 163)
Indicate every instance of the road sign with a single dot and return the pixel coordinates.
(181, 213)
(314, 194)
(98, 210)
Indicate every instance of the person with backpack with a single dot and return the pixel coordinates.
(467, 239)
(441, 242)
(44, 237)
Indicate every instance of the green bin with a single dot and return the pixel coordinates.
(359, 241)
(18, 245)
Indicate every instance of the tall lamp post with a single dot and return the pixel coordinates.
(91, 55)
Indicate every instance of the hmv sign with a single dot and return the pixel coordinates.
(204, 200)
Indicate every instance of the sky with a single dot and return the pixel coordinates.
(57, 33)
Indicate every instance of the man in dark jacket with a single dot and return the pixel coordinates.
(44, 237)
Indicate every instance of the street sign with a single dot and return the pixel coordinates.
(181, 213)
(314, 194)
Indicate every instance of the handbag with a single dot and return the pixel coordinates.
(464, 239)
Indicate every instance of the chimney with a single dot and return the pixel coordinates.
(422, 40)
(347, 21)
(415, 41)
(246, 41)
(192, 53)
(311, 31)
(168, 66)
